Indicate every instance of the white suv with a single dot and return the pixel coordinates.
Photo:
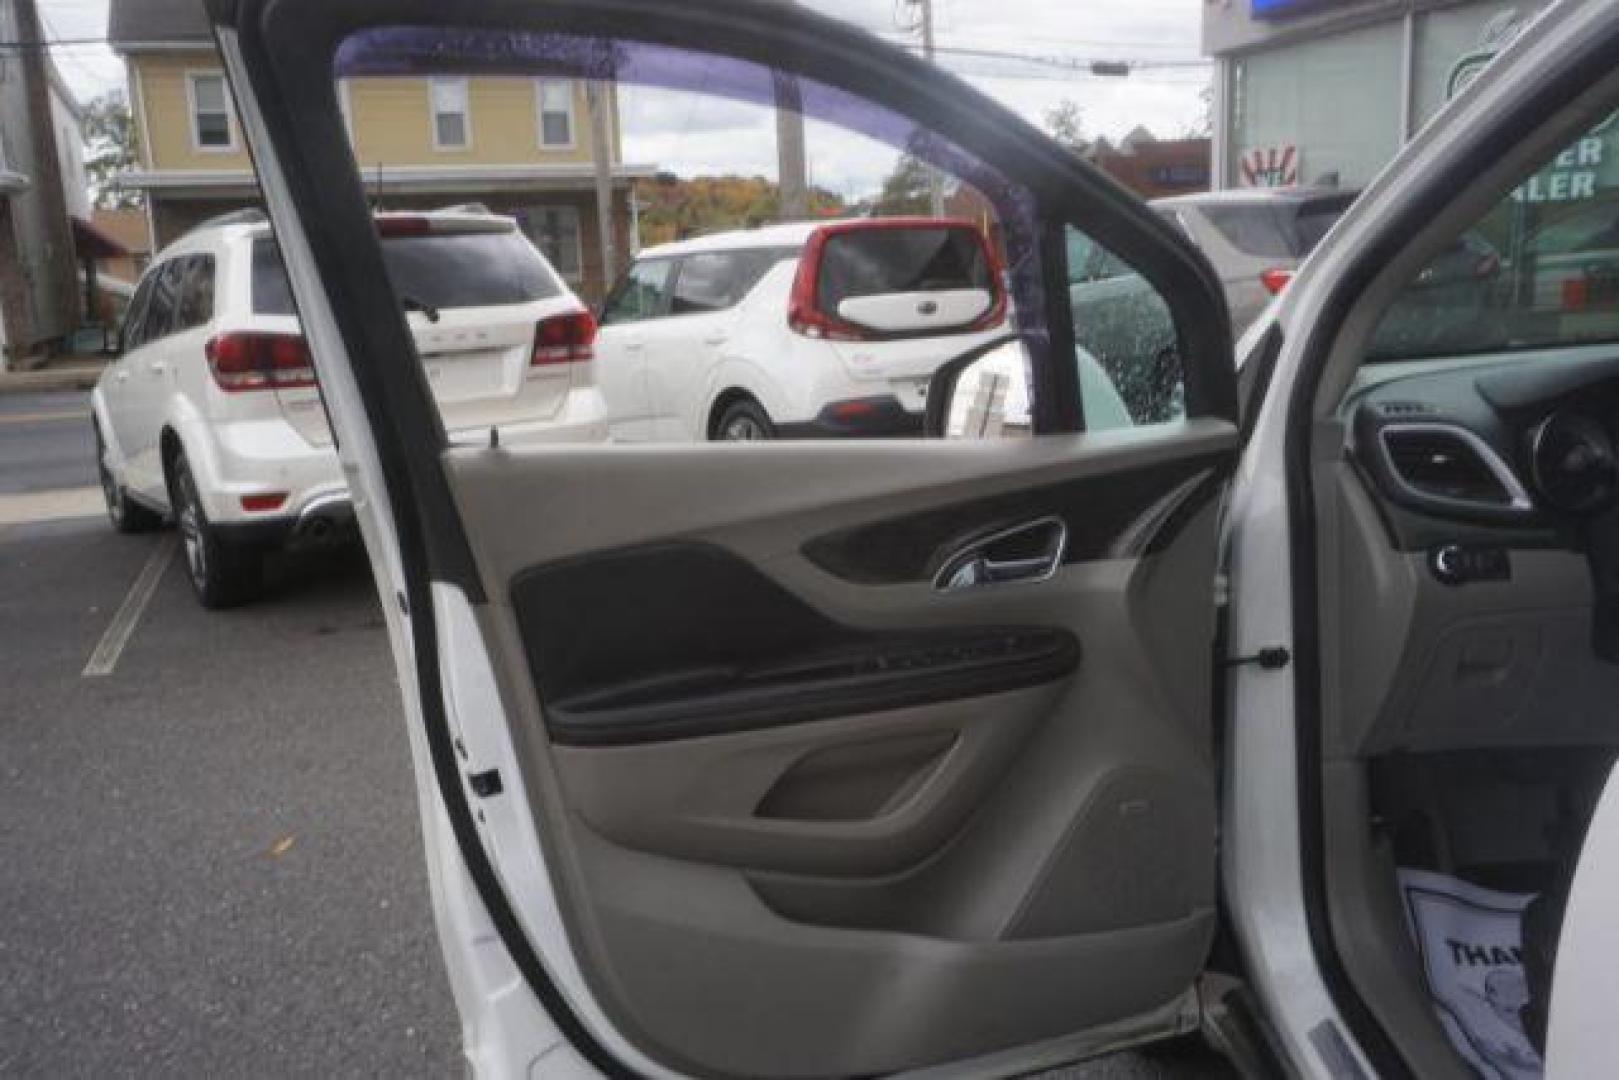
(211, 414)
(794, 331)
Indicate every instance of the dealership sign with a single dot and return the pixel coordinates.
(1281, 9)
(1580, 171)
(1270, 166)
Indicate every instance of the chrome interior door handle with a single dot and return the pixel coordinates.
(1024, 553)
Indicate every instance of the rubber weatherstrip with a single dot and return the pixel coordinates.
(415, 558)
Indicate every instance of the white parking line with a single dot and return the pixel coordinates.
(111, 645)
(58, 504)
(9, 419)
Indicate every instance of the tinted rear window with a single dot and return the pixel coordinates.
(442, 271)
(869, 262)
(1283, 229)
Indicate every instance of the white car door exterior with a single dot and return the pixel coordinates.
(713, 291)
(632, 314)
(121, 432)
(149, 374)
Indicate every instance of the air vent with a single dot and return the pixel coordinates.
(1449, 463)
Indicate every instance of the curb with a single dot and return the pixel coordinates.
(77, 377)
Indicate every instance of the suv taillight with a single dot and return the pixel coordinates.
(243, 360)
(805, 316)
(564, 339)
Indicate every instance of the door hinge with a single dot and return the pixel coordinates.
(485, 784)
(1273, 658)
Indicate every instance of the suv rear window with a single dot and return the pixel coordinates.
(1279, 229)
(443, 270)
(870, 262)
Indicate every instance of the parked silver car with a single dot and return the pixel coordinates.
(1255, 237)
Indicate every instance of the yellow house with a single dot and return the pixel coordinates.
(520, 146)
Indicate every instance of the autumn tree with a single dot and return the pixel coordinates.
(673, 208)
(907, 189)
(111, 148)
(1066, 122)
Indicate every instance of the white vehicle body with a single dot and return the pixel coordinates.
(542, 1010)
(260, 450)
(669, 374)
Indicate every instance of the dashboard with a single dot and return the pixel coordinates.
(1526, 451)
(1473, 586)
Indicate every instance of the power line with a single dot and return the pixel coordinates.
(73, 61)
(1083, 65)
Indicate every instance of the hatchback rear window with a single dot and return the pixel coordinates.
(445, 270)
(1316, 219)
(870, 262)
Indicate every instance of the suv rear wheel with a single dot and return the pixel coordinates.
(222, 574)
(126, 517)
(743, 421)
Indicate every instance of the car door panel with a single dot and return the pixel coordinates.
(990, 828)
(149, 380)
(681, 360)
(121, 435)
(805, 804)
(637, 305)
(686, 639)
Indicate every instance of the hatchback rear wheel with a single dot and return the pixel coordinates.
(222, 574)
(743, 421)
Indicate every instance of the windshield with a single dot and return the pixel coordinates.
(1540, 269)
(437, 271)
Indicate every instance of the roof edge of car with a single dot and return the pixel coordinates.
(252, 223)
(781, 233)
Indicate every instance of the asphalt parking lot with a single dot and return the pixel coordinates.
(211, 852)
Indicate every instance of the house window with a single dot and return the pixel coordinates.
(211, 127)
(555, 231)
(452, 128)
(556, 112)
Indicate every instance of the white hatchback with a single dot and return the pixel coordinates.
(211, 414)
(795, 331)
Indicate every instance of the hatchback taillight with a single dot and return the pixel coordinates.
(564, 339)
(243, 360)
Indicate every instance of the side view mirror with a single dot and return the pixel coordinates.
(112, 345)
(982, 394)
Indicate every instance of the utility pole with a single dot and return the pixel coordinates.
(935, 181)
(792, 183)
(792, 180)
(596, 99)
(39, 286)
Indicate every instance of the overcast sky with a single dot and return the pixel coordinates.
(690, 134)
